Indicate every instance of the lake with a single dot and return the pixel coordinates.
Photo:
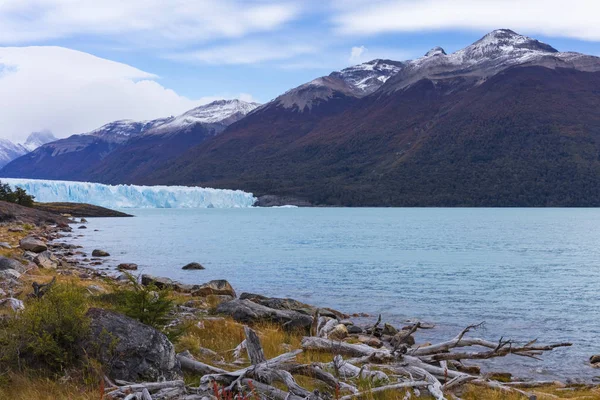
(528, 273)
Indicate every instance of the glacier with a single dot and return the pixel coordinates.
(131, 196)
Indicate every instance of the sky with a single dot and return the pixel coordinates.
(69, 66)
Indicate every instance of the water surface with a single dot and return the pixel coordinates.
(528, 273)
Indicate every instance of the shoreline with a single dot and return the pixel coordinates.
(70, 267)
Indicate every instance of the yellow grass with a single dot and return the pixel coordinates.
(20, 387)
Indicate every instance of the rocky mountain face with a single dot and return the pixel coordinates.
(121, 150)
(10, 151)
(506, 121)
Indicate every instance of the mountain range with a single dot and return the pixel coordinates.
(506, 121)
(10, 151)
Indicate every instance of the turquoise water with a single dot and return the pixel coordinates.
(528, 273)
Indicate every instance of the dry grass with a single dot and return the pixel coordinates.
(20, 387)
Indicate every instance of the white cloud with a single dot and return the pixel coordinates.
(67, 92)
(356, 53)
(576, 19)
(246, 52)
(143, 21)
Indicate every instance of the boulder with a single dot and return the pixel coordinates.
(46, 260)
(246, 311)
(291, 304)
(16, 229)
(127, 267)
(130, 350)
(354, 329)
(193, 266)
(12, 304)
(370, 341)
(9, 263)
(218, 288)
(162, 283)
(595, 359)
(82, 227)
(8, 274)
(389, 330)
(83, 221)
(5, 245)
(340, 332)
(30, 243)
(100, 253)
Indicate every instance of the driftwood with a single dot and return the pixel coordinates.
(435, 368)
(40, 289)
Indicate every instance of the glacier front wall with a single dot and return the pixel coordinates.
(130, 196)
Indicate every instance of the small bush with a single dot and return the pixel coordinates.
(147, 304)
(48, 333)
(18, 196)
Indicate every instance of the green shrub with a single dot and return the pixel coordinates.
(148, 304)
(47, 334)
(18, 196)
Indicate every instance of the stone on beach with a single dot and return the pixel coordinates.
(9, 263)
(193, 266)
(246, 311)
(46, 260)
(127, 267)
(100, 253)
(30, 243)
(132, 351)
(290, 304)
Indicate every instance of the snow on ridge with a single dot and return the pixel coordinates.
(131, 196)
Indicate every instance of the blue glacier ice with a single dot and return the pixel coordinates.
(131, 196)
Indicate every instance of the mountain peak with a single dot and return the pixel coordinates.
(506, 40)
(36, 139)
(435, 52)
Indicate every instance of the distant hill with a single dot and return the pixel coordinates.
(506, 121)
(10, 151)
(122, 151)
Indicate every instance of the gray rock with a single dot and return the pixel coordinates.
(83, 221)
(30, 243)
(291, 304)
(595, 359)
(16, 229)
(5, 245)
(193, 266)
(9, 263)
(127, 267)
(353, 329)
(12, 303)
(246, 311)
(130, 350)
(46, 260)
(9, 274)
(82, 227)
(100, 253)
(218, 288)
(162, 283)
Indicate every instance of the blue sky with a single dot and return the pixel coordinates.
(173, 55)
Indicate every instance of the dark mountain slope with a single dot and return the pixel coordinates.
(528, 136)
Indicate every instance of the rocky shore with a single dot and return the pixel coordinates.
(248, 345)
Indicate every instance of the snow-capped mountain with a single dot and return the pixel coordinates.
(368, 77)
(9, 151)
(495, 52)
(356, 81)
(37, 139)
(220, 112)
(138, 145)
(505, 121)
